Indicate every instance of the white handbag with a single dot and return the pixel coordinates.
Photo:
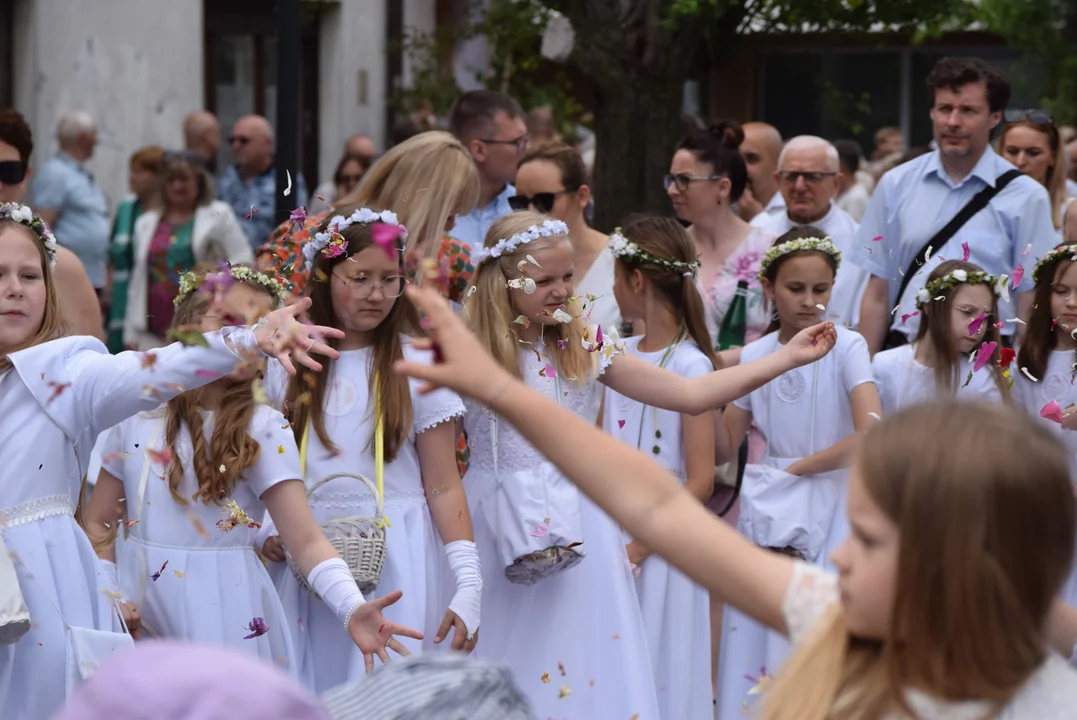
(14, 615)
(535, 517)
(88, 648)
(779, 510)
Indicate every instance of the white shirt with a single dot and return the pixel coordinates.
(903, 381)
(851, 281)
(598, 281)
(472, 228)
(854, 201)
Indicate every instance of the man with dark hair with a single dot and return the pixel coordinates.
(962, 194)
(78, 302)
(491, 125)
(853, 196)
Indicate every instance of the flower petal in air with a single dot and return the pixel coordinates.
(1052, 411)
(1018, 275)
(965, 252)
(385, 236)
(984, 355)
(974, 326)
(1007, 357)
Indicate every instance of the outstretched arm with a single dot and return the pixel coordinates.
(632, 488)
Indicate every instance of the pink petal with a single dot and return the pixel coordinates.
(965, 252)
(974, 326)
(620, 424)
(984, 355)
(905, 317)
(207, 373)
(1018, 275)
(385, 237)
(598, 335)
(877, 238)
(1052, 411)
(550, 371)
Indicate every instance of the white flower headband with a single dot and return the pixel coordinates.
(549, 228)
(1068, 252)
(191, 281)
(24, 215)
(824, 244)
(953, 279)
(321, 241)
(624, 249)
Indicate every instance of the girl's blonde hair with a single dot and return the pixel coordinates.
(52, 323)
(491, 312)
(231, 448)
(935, 324)
(305, 397)
(982, 500)
(426, 180)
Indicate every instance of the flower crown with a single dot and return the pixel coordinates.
(624, 249)
(1063, 251)
(548, 228)
(953, 279)
(364, 216)
(191, 281)
(24, 215)
(824, 244)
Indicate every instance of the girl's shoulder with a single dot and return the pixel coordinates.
(689, 356)
(760, 347)
(893, 358)
(267, 419)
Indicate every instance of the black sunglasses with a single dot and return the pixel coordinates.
(12, 172)
(543, 202)
(1039, 117)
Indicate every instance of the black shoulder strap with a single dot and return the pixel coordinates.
(978, 202)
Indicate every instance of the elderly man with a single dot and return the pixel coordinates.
(249, 185)
(78, 303)
(65, 195)
(202, 136)
(357, 146)
(961, 195)
(761, 147)
(491, 125)
(809, 176)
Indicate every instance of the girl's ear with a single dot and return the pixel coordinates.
(768, 288)
(636, 280)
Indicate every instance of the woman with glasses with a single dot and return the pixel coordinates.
(190, 227)
(1031, 141)
(551, 179)
(706, 178)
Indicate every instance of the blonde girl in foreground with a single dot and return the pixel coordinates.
(949, 624)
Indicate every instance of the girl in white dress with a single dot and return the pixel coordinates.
(357, 268)
(811, 419)
(56, 396)
(191, 567)
(585, 620)
(937, 608)
(1048, 353)
(958, 310)
(655, 271)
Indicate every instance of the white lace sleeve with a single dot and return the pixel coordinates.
(810, 593)
(433, 408)
(608, 348)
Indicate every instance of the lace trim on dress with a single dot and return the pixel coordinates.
(438, 416)
(811, 592)
(35, 510)
(604, 362)
(352, 500)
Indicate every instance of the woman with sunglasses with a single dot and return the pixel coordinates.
(551, 179)
(1031, 141)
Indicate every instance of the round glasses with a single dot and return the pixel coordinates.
(362, 286)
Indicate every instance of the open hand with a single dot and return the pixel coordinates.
(282, 336)
(461, 639)
(811, 344)
(373, 634)
(460, 362)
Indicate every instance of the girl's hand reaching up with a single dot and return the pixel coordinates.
(811, 344)
(282, 336)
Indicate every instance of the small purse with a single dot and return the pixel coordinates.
(87, 649)
(535, 516)
(14, 615)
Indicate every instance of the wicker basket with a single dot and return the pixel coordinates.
(359, 540)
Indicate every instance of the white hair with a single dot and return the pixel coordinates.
(73, 125)
(812, 142)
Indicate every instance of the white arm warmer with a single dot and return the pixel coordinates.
(463, 558)
(333, 582)
(243, 342)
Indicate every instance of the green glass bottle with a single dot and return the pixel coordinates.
(735, 323)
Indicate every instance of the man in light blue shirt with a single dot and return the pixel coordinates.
(491, 125)
(64, 194)
(914, 201)
(250, 184)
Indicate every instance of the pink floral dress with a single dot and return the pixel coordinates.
(718, 293)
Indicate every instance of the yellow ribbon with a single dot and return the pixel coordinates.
(379, 452)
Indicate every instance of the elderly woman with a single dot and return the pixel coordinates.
(189, 228)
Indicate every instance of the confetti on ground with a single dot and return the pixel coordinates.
(257, 627)
(157, 575)
(545, 677)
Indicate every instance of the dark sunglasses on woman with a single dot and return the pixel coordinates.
(12, 172)
(1039, 117)
(543, 202)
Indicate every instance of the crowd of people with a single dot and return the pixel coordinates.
(436, 420)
